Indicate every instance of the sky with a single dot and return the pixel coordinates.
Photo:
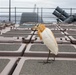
(39, 3)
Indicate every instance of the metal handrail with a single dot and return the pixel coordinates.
(40, 11)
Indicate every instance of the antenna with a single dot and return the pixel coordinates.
(34, 8)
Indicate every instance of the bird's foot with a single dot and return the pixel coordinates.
(49, 61)
(53, 59)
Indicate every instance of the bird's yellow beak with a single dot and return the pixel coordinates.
(40, 27)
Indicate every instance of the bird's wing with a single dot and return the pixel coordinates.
(49, 41)
(50, 34)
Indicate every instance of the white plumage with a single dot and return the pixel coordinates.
(49, 40)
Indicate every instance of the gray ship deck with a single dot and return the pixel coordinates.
(23, 53)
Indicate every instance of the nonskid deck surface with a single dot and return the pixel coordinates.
(23, 53)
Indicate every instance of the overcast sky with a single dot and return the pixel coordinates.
(40, 3)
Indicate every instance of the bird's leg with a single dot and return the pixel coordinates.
(48, 56)
(54, 58)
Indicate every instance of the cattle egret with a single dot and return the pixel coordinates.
(48, 38)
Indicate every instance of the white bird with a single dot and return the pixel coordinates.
(48, 38)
